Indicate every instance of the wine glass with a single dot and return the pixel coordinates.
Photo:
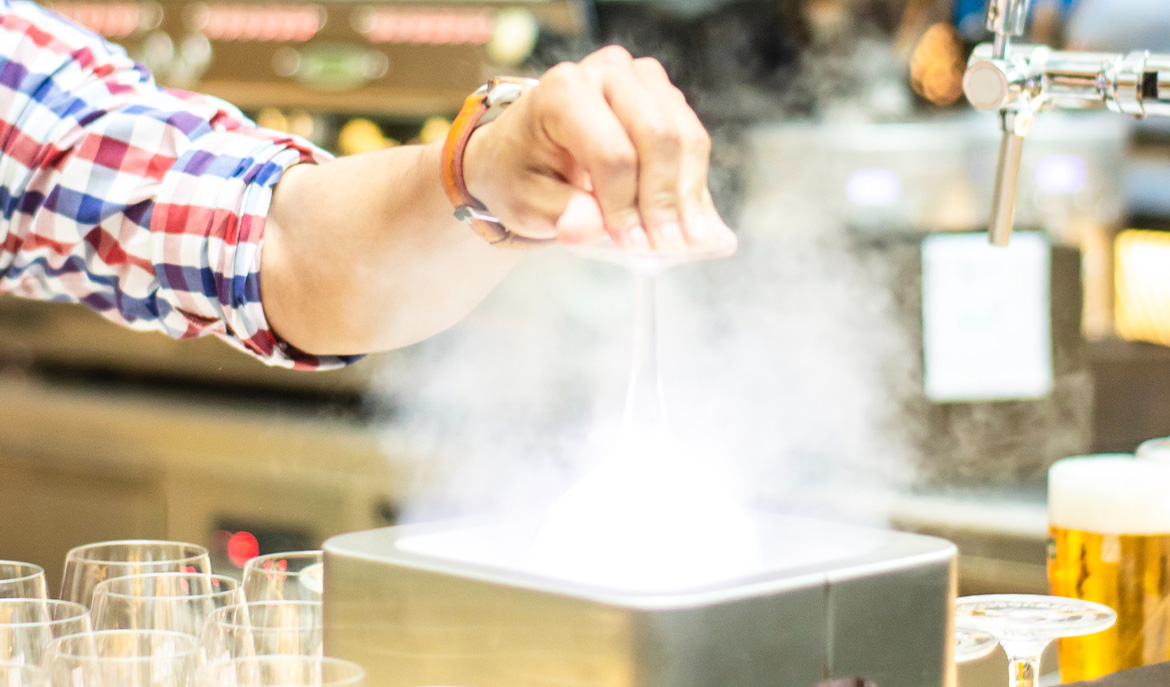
(1026, 623)
(179, 602)
(22, 581)
(971, 645)
(263, 628)
(86, 566)
(28, 625)
(122, 658)
(21, 675)
(282, 671)
(287, 576)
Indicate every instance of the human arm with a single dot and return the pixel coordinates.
(363, 253)
(156, 208)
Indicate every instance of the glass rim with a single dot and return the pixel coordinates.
(216, 619)
(53, 647)
(56, 603)
(76, 554)
(250, 564)
(34, 571)
(232, 585)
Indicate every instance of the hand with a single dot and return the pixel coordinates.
(607, 145)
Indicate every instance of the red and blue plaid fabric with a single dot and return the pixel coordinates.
(146, 204)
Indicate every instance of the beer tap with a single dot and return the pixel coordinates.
(1020, 81)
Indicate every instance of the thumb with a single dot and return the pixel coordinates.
(581, 222)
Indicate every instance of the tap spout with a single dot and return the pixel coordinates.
(1006, 18)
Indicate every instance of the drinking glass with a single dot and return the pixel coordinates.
(1109, 539)
(971, 645)
(1026, 623)
(179, 602)
(22, 581)
(20, 675)
(282, 671)
(28, 625)
(263, 628)
(122, 658)
(86, 566)
(288, 576)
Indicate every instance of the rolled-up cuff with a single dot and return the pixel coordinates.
(207, 230)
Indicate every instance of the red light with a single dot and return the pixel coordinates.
(242, 547)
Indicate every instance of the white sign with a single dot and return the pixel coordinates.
(986, 320)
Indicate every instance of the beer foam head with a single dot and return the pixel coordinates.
(1110, 494)
(1154, 449)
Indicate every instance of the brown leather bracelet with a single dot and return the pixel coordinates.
(497, 94)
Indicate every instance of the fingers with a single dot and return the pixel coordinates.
(636, 156)
(655, 131)
(576, 116)
(695, 152)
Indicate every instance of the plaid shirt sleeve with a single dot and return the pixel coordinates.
(146, 204)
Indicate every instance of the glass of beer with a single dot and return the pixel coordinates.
(1109, 542)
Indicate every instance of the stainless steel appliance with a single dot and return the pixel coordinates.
(453, 604)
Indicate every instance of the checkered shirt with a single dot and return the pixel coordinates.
(146, 204)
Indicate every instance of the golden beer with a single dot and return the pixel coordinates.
(1110, 543)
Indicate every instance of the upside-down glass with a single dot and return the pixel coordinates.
(19, 675)
(282, 671)
(179, 602)
(28, 625)
(123, 658)
(971, 645)
(286, 576)
(1025, 624)
(263, 628)
(87, 566)
(22, 581)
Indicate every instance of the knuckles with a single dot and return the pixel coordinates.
(699, 141)
(617, 159)
(611, 55)
(563, 74)
(663, 137)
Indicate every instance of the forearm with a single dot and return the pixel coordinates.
(363, 254)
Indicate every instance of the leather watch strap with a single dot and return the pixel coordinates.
(468, 208)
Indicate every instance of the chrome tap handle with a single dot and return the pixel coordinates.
(1007, 182)
(1006, 18)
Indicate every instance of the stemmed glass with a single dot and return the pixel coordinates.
(282, 671)
(179, 602)
(1026, 623)
(971, 645)
(21, 581)
(28, 625)
(286, 576)
(87, 566)
(122, 658)
(263, 628)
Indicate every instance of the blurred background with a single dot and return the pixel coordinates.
(826, 362)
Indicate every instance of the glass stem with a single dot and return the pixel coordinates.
(645, 409)
(1023, 668)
